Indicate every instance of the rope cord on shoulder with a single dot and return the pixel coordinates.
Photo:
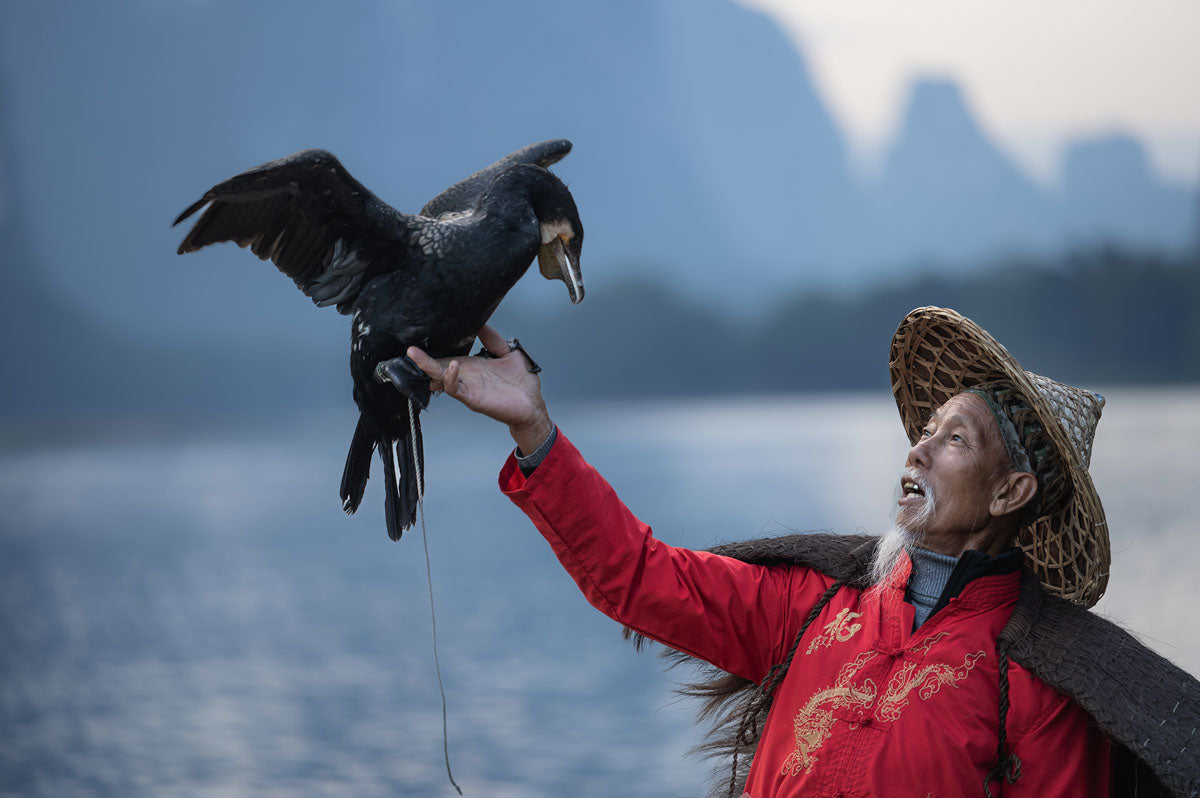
(747, 731)
(1008, 765)
(412, 425)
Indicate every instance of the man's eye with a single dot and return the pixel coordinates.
(926, 433)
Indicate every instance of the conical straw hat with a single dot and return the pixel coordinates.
(938, 353)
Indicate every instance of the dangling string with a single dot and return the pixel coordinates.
(412, 425)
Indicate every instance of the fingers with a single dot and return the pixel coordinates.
(452, 385)
(433, 368)
(442, 378)
(493, 341)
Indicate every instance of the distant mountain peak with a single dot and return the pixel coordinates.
(1110, 192)
(947, 190)
(936, 104)
(939, 140)
(1108, 160)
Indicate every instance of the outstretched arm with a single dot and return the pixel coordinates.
(500, 387)
(737, 616)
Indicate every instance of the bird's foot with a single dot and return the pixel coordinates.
(407, 378)
(534, 368)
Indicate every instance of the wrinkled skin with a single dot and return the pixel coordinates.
(979, 494)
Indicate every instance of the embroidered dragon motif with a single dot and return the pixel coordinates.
(814, 722)
(929, 679)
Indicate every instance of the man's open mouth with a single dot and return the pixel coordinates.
(910, 488)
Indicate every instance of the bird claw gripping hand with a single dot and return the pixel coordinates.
(515, 343)
(407, 378)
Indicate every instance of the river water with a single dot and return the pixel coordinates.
(186, 611)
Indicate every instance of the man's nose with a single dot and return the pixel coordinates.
(918, 455)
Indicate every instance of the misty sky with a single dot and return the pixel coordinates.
(1037, 73)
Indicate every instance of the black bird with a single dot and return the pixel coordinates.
(429, 280)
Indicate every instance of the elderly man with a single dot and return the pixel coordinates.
(953, 656)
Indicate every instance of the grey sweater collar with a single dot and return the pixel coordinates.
(930, 573)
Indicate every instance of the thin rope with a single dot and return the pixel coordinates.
(1008, 765)
(412, 426)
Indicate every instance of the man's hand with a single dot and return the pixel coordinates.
(500, 387)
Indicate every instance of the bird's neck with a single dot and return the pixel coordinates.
(521, 185)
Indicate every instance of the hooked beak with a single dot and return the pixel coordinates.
(555, 262)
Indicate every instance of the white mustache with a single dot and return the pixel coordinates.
(928, 506)
(913, 475)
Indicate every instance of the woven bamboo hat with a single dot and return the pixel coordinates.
(938, 353)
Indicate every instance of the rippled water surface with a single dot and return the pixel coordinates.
(188, 611)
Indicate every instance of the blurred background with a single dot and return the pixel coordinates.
(767, 187)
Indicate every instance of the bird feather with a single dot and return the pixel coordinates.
(286, 210)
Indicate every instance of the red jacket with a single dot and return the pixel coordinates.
(868, 707)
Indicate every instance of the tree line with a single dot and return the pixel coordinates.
(1094, 318)
(1100, 316)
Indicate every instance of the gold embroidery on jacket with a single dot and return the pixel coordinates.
(838, 630)
(928, 644)
(814, 722)
(930, 679)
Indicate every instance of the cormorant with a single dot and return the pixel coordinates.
(430, 280)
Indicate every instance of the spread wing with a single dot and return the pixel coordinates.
(307, 215)
(463, 195)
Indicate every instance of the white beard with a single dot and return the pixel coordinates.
(903, 534)
(887, 551)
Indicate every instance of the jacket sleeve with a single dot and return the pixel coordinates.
(732, 614)
(1062, 752)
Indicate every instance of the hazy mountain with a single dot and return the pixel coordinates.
(42, 332)
(705, 161)
(762, 142)
(948, 192)
(1110, 193)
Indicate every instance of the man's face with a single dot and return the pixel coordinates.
(958, 458)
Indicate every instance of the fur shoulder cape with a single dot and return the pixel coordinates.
(1148, 706)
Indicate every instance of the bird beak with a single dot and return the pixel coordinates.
(555, 262)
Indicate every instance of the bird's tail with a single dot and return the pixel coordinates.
(400, 503)
(358, 466)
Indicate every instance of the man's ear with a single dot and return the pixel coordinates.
(1012, 492)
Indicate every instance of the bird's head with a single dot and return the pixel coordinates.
(561, 230)
(540, 191)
